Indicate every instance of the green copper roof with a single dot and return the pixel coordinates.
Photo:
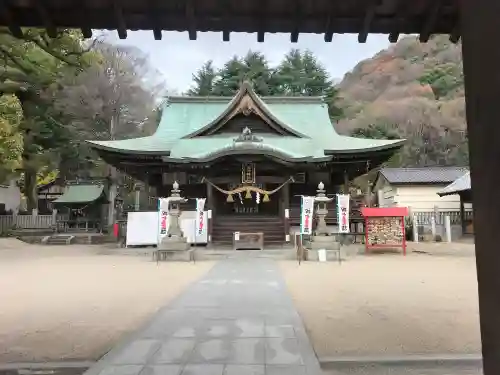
(306, 117)
(80, 194)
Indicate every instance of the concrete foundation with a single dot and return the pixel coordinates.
(174, 243)
(331, 255)
(177, 255)
(323, 242)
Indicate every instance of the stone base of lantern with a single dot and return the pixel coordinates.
(328, 243)
(174, 243)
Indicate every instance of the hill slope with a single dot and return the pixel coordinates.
(414, 91)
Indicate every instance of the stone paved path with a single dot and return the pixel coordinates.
(237, 320)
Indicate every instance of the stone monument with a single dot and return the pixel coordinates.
(174, 245)
(322, 238)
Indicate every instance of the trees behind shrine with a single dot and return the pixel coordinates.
(57, 92)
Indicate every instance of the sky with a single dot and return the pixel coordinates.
(177, 57)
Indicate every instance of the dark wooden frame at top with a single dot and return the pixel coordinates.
(327, 17)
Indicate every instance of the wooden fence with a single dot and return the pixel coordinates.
(9, 222)
(425, 218)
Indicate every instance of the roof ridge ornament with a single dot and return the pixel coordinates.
(247, 136)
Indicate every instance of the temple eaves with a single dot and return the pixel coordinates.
(392, 17)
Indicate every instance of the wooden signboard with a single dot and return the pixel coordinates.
(385, 227)
(249, 241)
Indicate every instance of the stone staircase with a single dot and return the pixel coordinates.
(58, 239)
(272, 227)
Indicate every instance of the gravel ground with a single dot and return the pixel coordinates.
(388, 305)
(67, 303)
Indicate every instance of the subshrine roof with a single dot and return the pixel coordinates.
(80, 194)
(308, 133)
(458, 186)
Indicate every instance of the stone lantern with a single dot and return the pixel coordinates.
(322, 239)
(174, 240)
(321, 201)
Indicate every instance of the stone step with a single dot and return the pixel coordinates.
(259, 218)
(250, 230)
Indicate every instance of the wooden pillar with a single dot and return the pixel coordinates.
(480, 30)
(210, 197)
(286, 210)
(345, 188)
(211, 211)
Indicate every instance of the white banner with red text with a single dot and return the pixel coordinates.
(306, 215)
(200, 216)
(343, 212)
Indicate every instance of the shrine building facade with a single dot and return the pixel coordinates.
(251, 157)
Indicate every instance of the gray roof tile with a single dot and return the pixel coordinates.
(426, 175)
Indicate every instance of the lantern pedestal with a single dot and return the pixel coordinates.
(174, 244)
(328, 243)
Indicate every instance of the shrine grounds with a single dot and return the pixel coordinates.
(75, 303)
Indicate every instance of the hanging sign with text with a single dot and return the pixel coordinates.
(200, 216)
(163, 208)
(343, 212)
(306, 215)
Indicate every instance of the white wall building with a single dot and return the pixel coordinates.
(417, 188)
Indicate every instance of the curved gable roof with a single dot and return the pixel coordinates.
(246, 92)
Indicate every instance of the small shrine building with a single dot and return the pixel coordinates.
(252, 157)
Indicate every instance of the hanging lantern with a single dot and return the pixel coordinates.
(266, 198)
(230, 198)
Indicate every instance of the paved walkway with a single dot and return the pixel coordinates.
(237, 320)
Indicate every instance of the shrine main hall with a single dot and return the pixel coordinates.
(251, 157)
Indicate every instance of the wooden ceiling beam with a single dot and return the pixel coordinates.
(400, 14)
(455, 35)
(260, 9)
(157, 31)
(191, 19)
(367, 21)
(10, 19)
(120, 20)
(46, 19)
(430, 21)
(86, 32)
(294, 35)
(226, 10)
(330, 21)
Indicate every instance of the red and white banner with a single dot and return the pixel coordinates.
(343, 212)
(163, 208)
(306, 215)
(200, 216)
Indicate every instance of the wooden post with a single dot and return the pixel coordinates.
(368, 195)
(137, 197)
(209, 226)
(287, 224)
(286, 211)
(210, 197)
(478, 27)
(345, 188)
